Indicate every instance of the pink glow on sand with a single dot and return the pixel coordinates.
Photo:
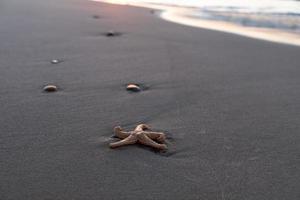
(180, 15)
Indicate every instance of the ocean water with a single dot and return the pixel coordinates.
(256, 6)
(270, 20)
(276, 14)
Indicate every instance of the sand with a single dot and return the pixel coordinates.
(188, 16)
(228, 104)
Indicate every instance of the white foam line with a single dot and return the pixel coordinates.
(272, 35)
(180, 16)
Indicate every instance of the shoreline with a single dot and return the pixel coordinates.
(267, 34)
(180, 16)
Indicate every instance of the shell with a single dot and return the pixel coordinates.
(133, 87)
(50, 88)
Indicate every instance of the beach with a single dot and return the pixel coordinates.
(228, 104)
(270, 20)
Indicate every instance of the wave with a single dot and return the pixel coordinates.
(271, 20)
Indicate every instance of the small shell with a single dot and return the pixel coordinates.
(111, 33)
(54, 61)
(50, 88)
(133, 87)
(96, 16)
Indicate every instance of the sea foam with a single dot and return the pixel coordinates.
(272, 20)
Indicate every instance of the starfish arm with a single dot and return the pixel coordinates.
(144, 139)
(127, 141)
(120, 133)
(142, 127)
(158, 136)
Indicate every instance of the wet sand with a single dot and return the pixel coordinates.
(268, 34)
(188, 16)
(228, 104)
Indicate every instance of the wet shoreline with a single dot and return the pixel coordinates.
(285, 29)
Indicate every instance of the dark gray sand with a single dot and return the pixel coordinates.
(229, 105)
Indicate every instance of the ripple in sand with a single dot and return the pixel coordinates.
(50, 88)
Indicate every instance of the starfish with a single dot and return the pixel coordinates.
(141, 134)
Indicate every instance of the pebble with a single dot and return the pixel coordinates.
(96, 16)
(55, 61)
(50, 88)
(111, 33)
(133, 87)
